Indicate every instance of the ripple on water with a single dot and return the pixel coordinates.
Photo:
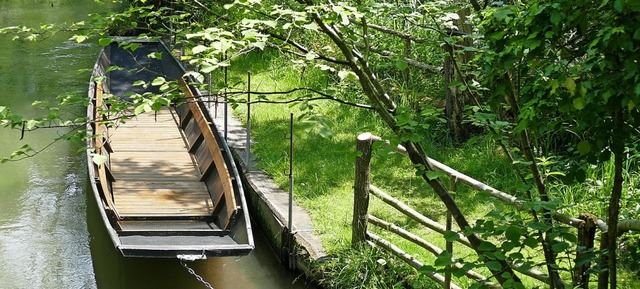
(47, 244)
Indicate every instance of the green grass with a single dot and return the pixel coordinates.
(324, 167)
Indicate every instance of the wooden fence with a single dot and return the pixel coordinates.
(586, 224)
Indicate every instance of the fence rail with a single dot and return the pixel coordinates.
(586, 224)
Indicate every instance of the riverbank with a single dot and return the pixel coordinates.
(298, 247)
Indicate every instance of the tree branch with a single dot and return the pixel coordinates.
(412, 62)
(305, 50)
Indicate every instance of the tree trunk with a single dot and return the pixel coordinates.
(455, 98)
(386, 108)
(614, 200)
(603, 276)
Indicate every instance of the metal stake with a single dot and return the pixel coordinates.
(248, 142)
(291, 172)
(290, 237)
(210, 96)
(226, 99)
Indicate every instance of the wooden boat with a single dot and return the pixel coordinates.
(168, 186)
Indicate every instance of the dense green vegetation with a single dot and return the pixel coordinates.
(538, 99)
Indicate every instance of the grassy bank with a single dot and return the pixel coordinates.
(324, 171)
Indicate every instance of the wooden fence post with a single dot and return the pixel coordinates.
(449, 244)
(407, 54)
(586, 235)
(361, 189)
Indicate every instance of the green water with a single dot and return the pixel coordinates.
(43, 231)
(50, 232)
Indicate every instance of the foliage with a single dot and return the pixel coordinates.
(570, 74)
(576, 73)
(552, 77)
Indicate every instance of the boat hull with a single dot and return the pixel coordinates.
(166, 183)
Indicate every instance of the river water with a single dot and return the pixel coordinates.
(50, 232)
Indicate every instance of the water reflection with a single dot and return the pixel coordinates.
(258, 270)
(45, 244)
(50, 232)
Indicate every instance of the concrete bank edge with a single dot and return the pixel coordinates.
(269, 205)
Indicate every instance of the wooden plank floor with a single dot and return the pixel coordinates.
(155, 175)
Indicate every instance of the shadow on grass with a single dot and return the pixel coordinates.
(323, 166)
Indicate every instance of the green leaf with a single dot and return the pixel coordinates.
(539, 226)
(556, 173)
(618, 5)
(494, 266)
(531, 242)
(498, 35)
(584, 147)
(444, 259)
(578, 103)
(155, 55)
(259, 44)
(145, 107)
(554, 85)
(570, 84)
(427, 269)
(508, 246)
(636, 35)
(105, 41)
(156, 106)
(165, 87)
(569, 237)
(199, 49)
(560, 246)
(347, 74)
(270, 23)
(344, 19)
(98, 159)
(532, 43)
(79, 38)
(432, 175)
(158, 81)
(451, 236)
(208, 68)
(109, 69)
(311, 55)
(503, 12)
(133, 46)
(486, 246)
(454, 84)
(555, 18)
(401, 64)
(311, 26)
(513, 233)
(31, 124)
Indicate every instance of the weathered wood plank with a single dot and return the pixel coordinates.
(156, 176)
(214, 150)
(99, 141)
